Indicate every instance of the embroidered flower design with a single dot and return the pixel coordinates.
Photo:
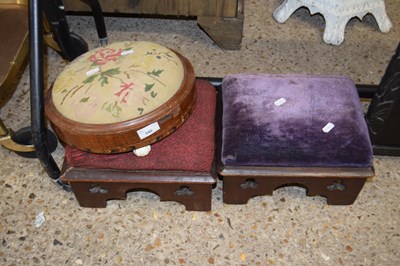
(125, 89)
(105, 55)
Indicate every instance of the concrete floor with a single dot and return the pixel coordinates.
(287, 228)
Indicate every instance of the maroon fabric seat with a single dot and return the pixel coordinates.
(190, 148)
(179, 167)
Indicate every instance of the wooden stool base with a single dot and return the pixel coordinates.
(92, 187)
(179, 168)
(240, 185)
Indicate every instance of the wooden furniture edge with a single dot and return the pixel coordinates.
(76, 174)
(342, 172)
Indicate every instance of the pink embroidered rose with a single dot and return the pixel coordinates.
(105, 55)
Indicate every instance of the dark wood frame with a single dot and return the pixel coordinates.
(94, 187)
(340, 186)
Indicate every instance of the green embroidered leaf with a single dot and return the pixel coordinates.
(153, 94)
(112, 71)
(141, 110)
(155, 72)
(117, 110)
(84, 100)
(113, 108)
(90, 79)
(103, 80)
(64, 91)
(148, 87)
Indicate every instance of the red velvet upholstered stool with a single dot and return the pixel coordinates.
(280, 130)
(179, 168)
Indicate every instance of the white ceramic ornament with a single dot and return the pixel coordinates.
(141, 152)
(337, 14)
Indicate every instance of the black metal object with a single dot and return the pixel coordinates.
(98, 20)
(383, 116)
(23, 136)
(366, 91)
(71, 44)
(37, 93)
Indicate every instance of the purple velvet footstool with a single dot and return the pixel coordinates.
(280, 130)
(179, 168)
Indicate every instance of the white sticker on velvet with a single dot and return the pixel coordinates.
(148, 130)
(280, 101)
(328, 127)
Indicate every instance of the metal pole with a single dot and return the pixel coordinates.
(37, 93)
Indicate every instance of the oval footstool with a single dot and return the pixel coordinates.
(121, 97)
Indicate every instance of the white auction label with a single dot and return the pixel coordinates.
(280, 101)
(328, 127)
(92, 71)
(148, 130)
(126, 52)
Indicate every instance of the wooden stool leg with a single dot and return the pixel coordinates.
(343, 191)
(195, 197)
(94, 195)
(239, 189)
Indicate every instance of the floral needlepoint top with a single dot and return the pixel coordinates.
(116, 83)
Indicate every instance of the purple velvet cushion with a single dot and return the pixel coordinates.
(256, 132)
